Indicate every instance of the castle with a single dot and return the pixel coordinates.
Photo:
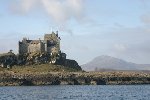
(38, 52)
(51, 43)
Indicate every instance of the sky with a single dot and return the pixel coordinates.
(88, 28)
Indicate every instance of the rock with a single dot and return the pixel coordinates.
(93, 82)
(73, 78)
(72, 64)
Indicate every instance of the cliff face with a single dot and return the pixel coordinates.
(9, 78)
(72, 64)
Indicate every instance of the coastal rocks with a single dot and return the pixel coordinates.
(74, 78)
(72, 64)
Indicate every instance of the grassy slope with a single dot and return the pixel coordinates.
(43, 68)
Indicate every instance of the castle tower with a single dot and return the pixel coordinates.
(52, 40)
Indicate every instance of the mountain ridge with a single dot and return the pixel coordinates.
(108, 62)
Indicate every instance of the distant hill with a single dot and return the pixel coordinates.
(110, 63)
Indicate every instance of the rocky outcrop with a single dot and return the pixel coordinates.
(72, 64)
(73, 78)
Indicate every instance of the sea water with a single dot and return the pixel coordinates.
(76, 92)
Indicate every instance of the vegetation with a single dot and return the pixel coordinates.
(42, 68)
(46, 74)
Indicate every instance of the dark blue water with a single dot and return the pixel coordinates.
(68, 92)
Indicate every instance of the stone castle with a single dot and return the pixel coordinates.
(51, 43)
(38, 52)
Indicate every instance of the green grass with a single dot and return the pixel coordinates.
(44, 68)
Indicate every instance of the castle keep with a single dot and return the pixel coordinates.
(51, 43)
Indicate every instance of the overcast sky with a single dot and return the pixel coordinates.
(88, 28)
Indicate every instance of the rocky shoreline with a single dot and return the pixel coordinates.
(9, 78)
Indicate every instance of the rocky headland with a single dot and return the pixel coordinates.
(58, 75)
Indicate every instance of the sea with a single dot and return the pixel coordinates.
(76, 92)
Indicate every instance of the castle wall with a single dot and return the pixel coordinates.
(34, 47)
(23, 47)
(43, 47)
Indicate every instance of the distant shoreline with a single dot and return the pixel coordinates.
(9, 78)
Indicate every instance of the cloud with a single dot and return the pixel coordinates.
(21, 7)
(138, 53)
(66, 29)
(131, 44)
(59, 10)
(145, 18)
(120, 47)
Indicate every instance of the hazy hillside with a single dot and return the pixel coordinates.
(111, 63)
